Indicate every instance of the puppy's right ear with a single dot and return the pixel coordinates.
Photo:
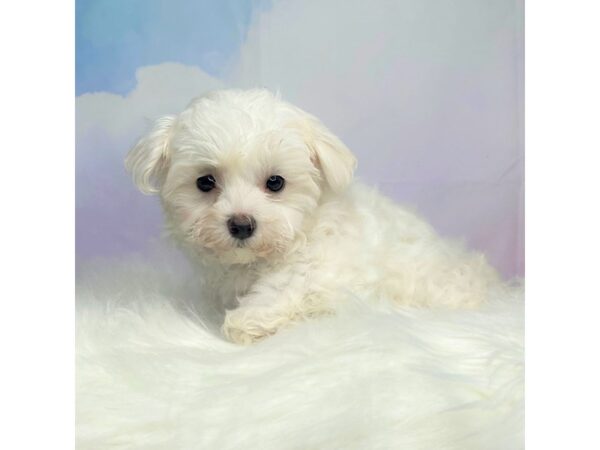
(148, 160)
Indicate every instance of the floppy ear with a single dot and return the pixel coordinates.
(148, 160)
(330, 155)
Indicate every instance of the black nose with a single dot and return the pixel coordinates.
(241, 227)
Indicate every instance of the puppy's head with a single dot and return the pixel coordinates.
(240, 173)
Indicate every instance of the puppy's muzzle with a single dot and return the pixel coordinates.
(241, 226)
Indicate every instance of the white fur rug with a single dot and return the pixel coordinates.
(150, 375)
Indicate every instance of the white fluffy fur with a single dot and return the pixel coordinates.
(151, 376)
(318, 241)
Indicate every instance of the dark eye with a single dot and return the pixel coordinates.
(275, 183)
(206, 183)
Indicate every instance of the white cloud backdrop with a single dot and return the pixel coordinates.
(428, 94)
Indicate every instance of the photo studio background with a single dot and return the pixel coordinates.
(428, 94)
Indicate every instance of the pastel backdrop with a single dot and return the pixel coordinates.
(427, 93)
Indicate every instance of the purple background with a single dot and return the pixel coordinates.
(428, 94)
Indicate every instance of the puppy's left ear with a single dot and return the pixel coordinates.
(335, 161)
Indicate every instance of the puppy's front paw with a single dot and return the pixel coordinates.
(246, 325)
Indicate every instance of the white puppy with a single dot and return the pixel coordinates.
(260, 194)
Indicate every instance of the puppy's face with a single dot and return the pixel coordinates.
(240, 173)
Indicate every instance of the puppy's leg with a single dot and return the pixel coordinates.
(248, 324)
(443, 275)
(274, 302)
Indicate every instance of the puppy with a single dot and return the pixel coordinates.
(261, 196)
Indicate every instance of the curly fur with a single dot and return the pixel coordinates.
(320, 239)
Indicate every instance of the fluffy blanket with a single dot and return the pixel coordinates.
(153, 373)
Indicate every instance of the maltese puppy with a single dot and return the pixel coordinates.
(260, 194)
